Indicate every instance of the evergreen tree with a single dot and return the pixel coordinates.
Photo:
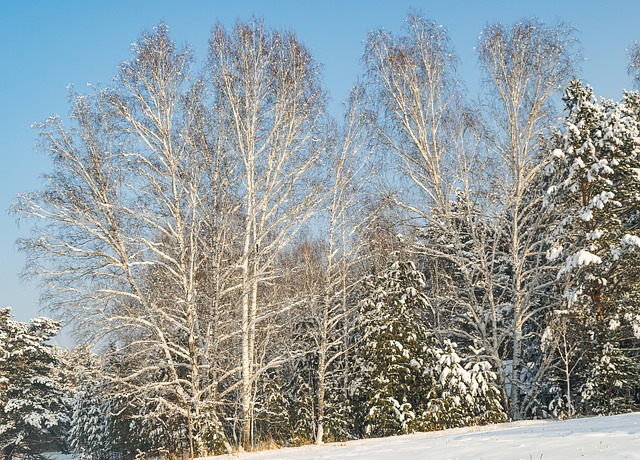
(390, 355)
(272, 409)
(338, 417)
(611, 381)
(93, 426)
(33, 409)
(208, 431)
(303, 417)
(465, 393)
(89, 434)
(597, 244)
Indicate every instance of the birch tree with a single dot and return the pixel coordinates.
(417, 116)
(525, 65)
(125, 217)
(268, 85)
(415, 98)
(172, 195)
(634, 63)
(418, 113)
(344, 223)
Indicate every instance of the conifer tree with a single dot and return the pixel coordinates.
(390, 356)
(338, 415)
(303, 417)
(89, 433)
(610, 381)
(465, 393)
(272, 409)
(33, 409)
(597, 243)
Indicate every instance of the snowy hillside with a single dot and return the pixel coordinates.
(615, 437)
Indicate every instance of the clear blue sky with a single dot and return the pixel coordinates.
(46, 45)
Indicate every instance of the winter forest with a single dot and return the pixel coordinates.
(243, 271)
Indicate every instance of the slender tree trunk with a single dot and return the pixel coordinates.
(514, 397)
(245, 438)
(322, 360)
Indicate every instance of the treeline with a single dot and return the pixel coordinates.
(246, 272)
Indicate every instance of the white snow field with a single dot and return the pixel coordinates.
(606, 438)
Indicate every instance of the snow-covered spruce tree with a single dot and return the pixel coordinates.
(272, 410)
(486, 404)
(338, 413)
(208, 433)
(303, 416)
(33, 410)
(611, 381)
(468, 274)
(390, 386)
(90, 423)
(597, 244)
(465, 393)
(89, 428)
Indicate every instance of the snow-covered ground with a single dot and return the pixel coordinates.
(604, 438)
